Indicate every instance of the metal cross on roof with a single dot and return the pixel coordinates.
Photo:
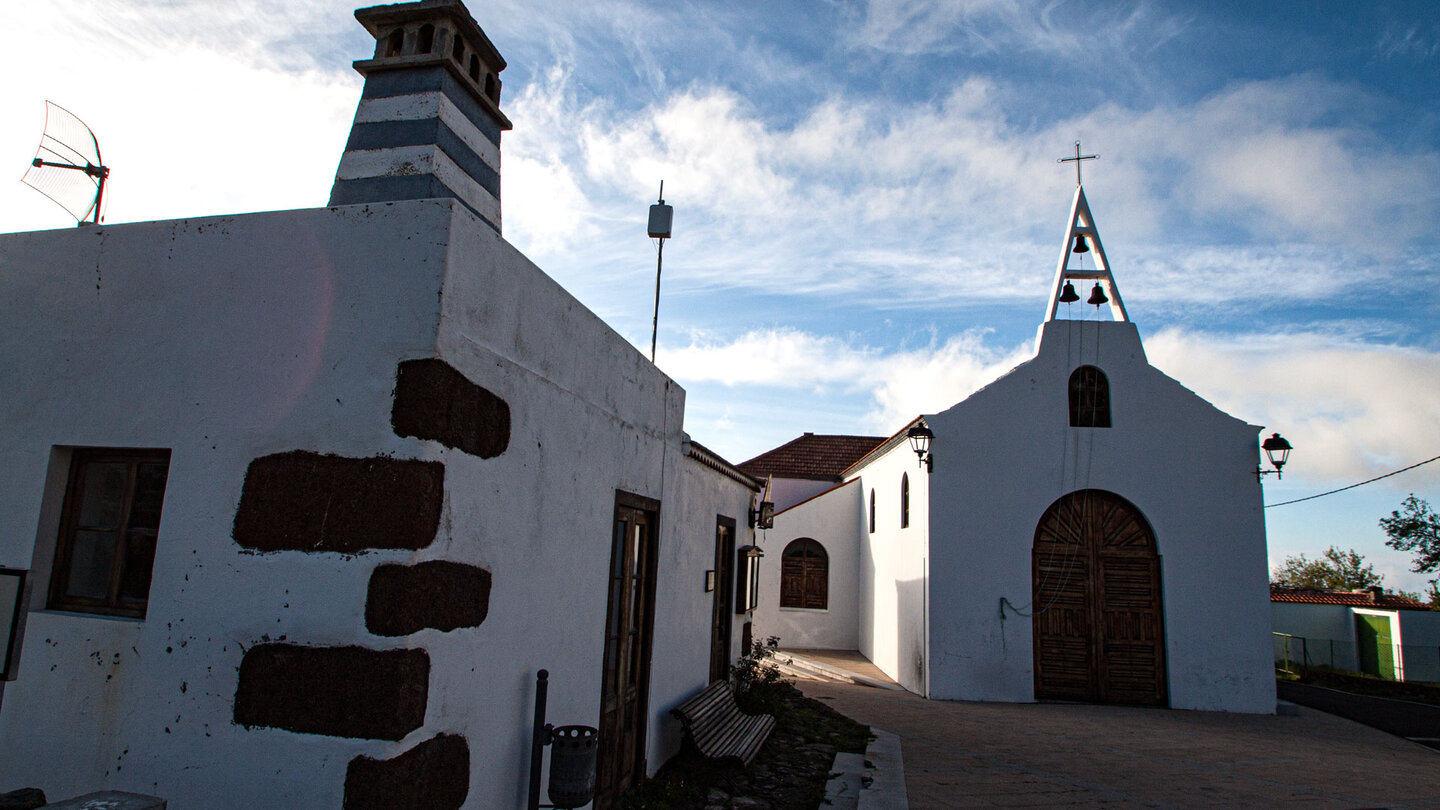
(1076, 160)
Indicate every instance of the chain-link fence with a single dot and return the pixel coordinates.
(1422, 661)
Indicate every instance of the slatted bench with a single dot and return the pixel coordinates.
(719, 729)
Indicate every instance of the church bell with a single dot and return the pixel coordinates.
(1097, 296)
(1068, 295)
(1081, 246)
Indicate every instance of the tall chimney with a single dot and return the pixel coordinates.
(429, 119)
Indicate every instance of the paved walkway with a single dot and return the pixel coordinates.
(963, 755)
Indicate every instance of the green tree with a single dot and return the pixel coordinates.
(1415, 528)
(1335, 570)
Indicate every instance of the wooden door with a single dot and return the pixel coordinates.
(1375, 648)
(1099, 622)
(723, 609)
(629, 624)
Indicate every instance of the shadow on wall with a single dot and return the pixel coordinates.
(910, 632)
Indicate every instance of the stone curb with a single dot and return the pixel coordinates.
(875, 781)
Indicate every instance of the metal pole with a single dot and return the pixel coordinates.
(537, 742)
(655, 322)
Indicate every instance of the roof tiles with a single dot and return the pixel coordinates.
(813, 457)
(1350, 598)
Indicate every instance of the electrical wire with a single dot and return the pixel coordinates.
(1352, 486)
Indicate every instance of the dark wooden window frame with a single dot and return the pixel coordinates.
(804, 577)
(904, 500)
(1089, 391)
(112, 604)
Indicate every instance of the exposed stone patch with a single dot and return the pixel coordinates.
(302, 501)
(443, 595)
(434, 401)
(434, 774)
(337, 691)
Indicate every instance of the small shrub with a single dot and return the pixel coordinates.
(760, 686)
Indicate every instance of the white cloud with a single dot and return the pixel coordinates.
(954, 196)
(899, 384)
(1351, 410)
(196, 111)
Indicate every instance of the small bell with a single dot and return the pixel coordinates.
(1097, 296)
(1068, 295)
(1081, 246)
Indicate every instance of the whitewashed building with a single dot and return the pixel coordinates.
(307, 498)
(1370, 631)
(1084, 528)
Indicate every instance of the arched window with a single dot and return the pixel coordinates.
(1089, 398)
(492, 90)
(457, 48)
(872, 510)
(427, 39)
(395, 43)
(904, 500)
(474, 68)
(804, 575)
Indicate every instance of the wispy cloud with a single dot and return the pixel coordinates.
(953, 199)
(1352, 410)
(1024, 26)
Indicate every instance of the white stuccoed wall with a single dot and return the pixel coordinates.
(230, 338)
(1420, 631)
(832, 520)
(1319, 625)
(893, 564)
(1005, 454)
(786, 492)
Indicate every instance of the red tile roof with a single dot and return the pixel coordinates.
(817, 458)
(1366, 598)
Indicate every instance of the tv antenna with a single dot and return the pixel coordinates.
(67, 166)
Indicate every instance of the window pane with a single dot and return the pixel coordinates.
(149, 495)
(103, 485)
(91, 556)
(139, 560)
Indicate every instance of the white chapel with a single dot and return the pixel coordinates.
(1083, 528)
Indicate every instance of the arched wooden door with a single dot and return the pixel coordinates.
(1099, 621)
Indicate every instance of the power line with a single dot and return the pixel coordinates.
(1352, 486)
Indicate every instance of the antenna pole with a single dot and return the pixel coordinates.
(655, 321)
(659, 228)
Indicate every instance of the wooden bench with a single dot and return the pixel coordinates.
(717, 726)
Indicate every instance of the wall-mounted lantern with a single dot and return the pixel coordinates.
(1277, 452)
(747, 584)
(920, 435)
(763, 516)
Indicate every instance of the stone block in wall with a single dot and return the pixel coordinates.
(434, 401)
(337, 691)
(440, 594)
(434, 774)
(303, 501)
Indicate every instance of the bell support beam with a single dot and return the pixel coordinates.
(1081, 223)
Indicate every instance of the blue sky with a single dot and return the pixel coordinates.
(868, 206)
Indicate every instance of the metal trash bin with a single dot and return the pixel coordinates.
(572, 765)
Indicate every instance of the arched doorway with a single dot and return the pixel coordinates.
(1099, 621)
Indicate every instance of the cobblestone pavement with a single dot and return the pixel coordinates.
(963, 755)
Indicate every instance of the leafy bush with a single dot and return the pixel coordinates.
(760, 686)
